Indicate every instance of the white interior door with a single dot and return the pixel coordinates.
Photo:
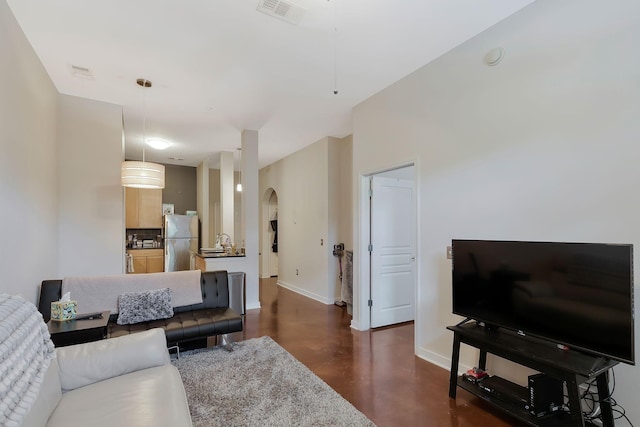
(393, 269)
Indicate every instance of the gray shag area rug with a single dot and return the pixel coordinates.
(260, 384)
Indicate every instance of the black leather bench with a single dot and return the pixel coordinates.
(190, 325)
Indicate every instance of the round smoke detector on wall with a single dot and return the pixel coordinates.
(494, 56)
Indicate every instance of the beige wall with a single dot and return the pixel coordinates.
(312, 216)
(180, 188)
(90, 198)
(29, 213)
(543, 146)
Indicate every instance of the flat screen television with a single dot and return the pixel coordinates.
(575, 294)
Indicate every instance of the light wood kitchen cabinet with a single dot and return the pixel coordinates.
(147, 260)
(201, 264)
(155, 263)
(143, 207)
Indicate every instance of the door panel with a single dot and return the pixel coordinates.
(149, 208)
(155, 264)
(177, 254)
(131, 204)
(139, 264)
(393, 255)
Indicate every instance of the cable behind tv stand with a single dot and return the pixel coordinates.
(573, 367)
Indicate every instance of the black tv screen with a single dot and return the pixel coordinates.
(575, 294)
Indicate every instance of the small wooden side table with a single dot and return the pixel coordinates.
(76, 331)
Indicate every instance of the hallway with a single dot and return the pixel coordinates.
(376, 371)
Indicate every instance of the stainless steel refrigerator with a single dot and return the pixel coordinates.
(180, 241)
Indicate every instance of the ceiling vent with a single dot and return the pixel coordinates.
(82, 72)
(281, 9)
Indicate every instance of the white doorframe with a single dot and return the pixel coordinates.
(362, 274)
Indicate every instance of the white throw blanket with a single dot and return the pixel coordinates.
(99, 293)
(26, 351)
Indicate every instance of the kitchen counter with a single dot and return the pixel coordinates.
(218, 255)
(209, 261)
(138, 248)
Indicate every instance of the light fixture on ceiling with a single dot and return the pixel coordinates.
(239, 185)
(158, 144)
(142, 174)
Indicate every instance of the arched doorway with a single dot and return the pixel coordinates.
(270, 234)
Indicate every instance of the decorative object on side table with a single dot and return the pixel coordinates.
(64, 310)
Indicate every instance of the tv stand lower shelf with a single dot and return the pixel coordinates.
(570, 366)
(515, 407)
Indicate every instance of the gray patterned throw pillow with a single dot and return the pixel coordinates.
(136, 307)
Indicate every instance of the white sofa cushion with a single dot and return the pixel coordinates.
(85, 364)
(150, 397)
(47, 400)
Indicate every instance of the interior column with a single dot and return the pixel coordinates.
(226, 194)
(250, 212)
(202, 192)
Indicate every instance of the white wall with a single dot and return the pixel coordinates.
(340, 205)
(61, 217)
(300, 180)
(27, 164)
(543, 146)
(90, 197)
(310, 214)
(215, 225)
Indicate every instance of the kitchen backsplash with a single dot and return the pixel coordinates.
(144, 233)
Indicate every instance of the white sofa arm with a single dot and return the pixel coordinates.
(85, 364)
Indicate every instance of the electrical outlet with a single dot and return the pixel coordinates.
(449, 252)
(297, 272)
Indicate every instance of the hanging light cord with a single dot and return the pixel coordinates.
(335, 49)
(144, 118)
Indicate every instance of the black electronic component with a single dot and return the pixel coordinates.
(504, 390)
(545, 395)
(89, 316)
(550, 290)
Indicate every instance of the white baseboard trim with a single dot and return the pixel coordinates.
(439, 360)
(252, 306)
(305, 293)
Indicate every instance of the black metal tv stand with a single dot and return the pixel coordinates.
(573, 367)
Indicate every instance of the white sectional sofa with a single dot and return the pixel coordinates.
(124, 381)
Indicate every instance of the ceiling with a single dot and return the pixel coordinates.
(221, 66)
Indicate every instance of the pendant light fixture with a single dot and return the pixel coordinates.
(142, 174)
(239, 185)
